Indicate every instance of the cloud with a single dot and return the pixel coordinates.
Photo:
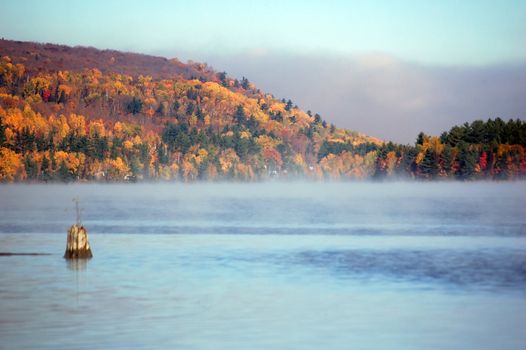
(382, 96)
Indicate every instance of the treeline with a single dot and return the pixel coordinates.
(493, 149)
(89, 126)
(492, 132)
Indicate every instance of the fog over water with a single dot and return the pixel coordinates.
(393, 265)
(400, 208)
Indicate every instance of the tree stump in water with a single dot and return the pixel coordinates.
(77, 246)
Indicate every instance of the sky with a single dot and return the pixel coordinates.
(386, 68)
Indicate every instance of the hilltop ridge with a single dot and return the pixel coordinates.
(47, 57)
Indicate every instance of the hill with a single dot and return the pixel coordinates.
(74, 114)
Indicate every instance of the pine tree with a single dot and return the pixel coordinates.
(446, 159)
(245, 84)
(420, 139)
(380, 166)
(134, 106)
(44, 170)
(429, 165)
(467, 161)
(64, 174)
(31, 167)
(190, 109)
(62, 97)
(160, 110)
(175, 106)
(2, 132)
(222, 78)
(239, 115)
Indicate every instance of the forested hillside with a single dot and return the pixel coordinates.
(75, 114)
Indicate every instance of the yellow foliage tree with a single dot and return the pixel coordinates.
(59, 127)
(96, 127)
(189, 170)
(116, 169)
(77, 124)
(10, 165)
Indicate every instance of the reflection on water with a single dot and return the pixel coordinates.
(303, 267)
(77, 264)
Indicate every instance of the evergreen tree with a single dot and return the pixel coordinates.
(239, 115)
(25, 141)
(190, 109)
(199, 114)
(443, 137)
(62, 97)
(135, 165)
(276, 116)
(134, 106)
(64, 174)
(176, 137)
(145, 158)
(245, 84)
(447, 159)
(429, 165)
(202, 170)
(408, 162)
(222, 78)
(241, 146)
(42, 143)
(467, 161)
(475, 133)
(53, 160)
(44, 170)
(192, 94)
(160, 110)
(116, 148)
(456, 134)
(162, 154)
(502, 167)
(324, 150)
(420, 139)
(2, 132)
(380, 166)
(98, 147)
(31, 167)
(175, 106)
(252, 125)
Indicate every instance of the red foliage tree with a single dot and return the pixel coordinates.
(483, 161)
(45, 95)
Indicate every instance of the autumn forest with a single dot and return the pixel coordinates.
(80, 114)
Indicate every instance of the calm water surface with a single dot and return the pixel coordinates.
(266, 266)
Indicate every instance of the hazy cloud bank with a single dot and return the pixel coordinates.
(382, 96)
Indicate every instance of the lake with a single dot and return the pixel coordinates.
(266, 266)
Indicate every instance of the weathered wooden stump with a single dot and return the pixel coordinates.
(77, 246)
